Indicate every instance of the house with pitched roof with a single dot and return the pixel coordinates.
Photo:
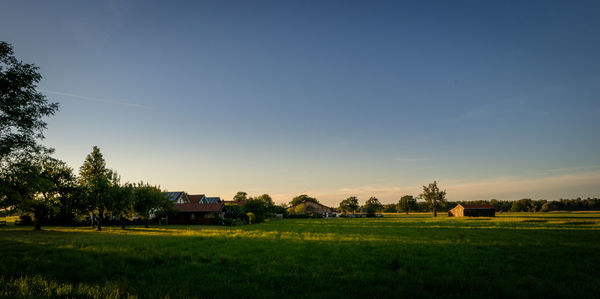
(195, 209)
(471, 210)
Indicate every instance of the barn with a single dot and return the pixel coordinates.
(469, 210)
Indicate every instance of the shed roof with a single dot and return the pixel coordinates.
(479, 207)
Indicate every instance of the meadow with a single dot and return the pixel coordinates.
(512, 255)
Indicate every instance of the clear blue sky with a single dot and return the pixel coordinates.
(330, 98)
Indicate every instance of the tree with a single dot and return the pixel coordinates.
(240, 196)
(266, 198)
(434, 197)
(372, 206)
(390, 208)
(120, 203)
(269, 204)
(34, 184)
(523, 205)
(22, 108)
(407, 203)
(300, 198)
(257, 207)
(148, 200)
(349, 204)
(94, 180)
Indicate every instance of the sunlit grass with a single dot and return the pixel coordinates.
(517, 255)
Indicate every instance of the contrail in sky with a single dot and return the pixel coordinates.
(95, 100)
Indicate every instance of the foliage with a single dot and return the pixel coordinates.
(407, 203)
(147, 200)
(95, 181)
(300, 198)
(232, 211)
(299, 210)
(240, 196)
(279, 209)
(523, 205)
(35, 184)
(120, 203)
(251, 217)
(372, 206)
(434, 197)
(22, 108)
(349, 204)
(258, 207)
(390, 208)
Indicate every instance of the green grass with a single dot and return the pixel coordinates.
(513, 255)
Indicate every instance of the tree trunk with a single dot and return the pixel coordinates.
(92, 220)
(37, 220)
(100, 214)
(146, 222)
(122, 222)
(434, 212)
(406, 211)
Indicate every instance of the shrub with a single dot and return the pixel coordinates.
(251, 217)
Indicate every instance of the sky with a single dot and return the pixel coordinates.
(491, 99)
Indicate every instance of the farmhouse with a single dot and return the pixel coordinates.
(196, 209)
(472, 211)
(310, 208)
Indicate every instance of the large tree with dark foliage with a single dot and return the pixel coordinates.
(36, 185)
(372, 206)
(149, 201)
(22, 107)
(407, 203)
(434, 197)
(349, 204)
(95, 181)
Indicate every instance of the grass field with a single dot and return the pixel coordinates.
(513, 255)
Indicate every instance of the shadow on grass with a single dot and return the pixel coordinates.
(549, 216)
(578, 223)
(179, 266)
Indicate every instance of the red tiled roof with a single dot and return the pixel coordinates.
(195, 198)
(478, 206)
(240, 203)
(198, 207)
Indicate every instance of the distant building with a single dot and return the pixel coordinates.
(195, 209)
(468, 210)
(307, 207)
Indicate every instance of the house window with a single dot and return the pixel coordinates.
(193, 216)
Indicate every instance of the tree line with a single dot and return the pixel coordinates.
(434, 200)
(47, 190)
